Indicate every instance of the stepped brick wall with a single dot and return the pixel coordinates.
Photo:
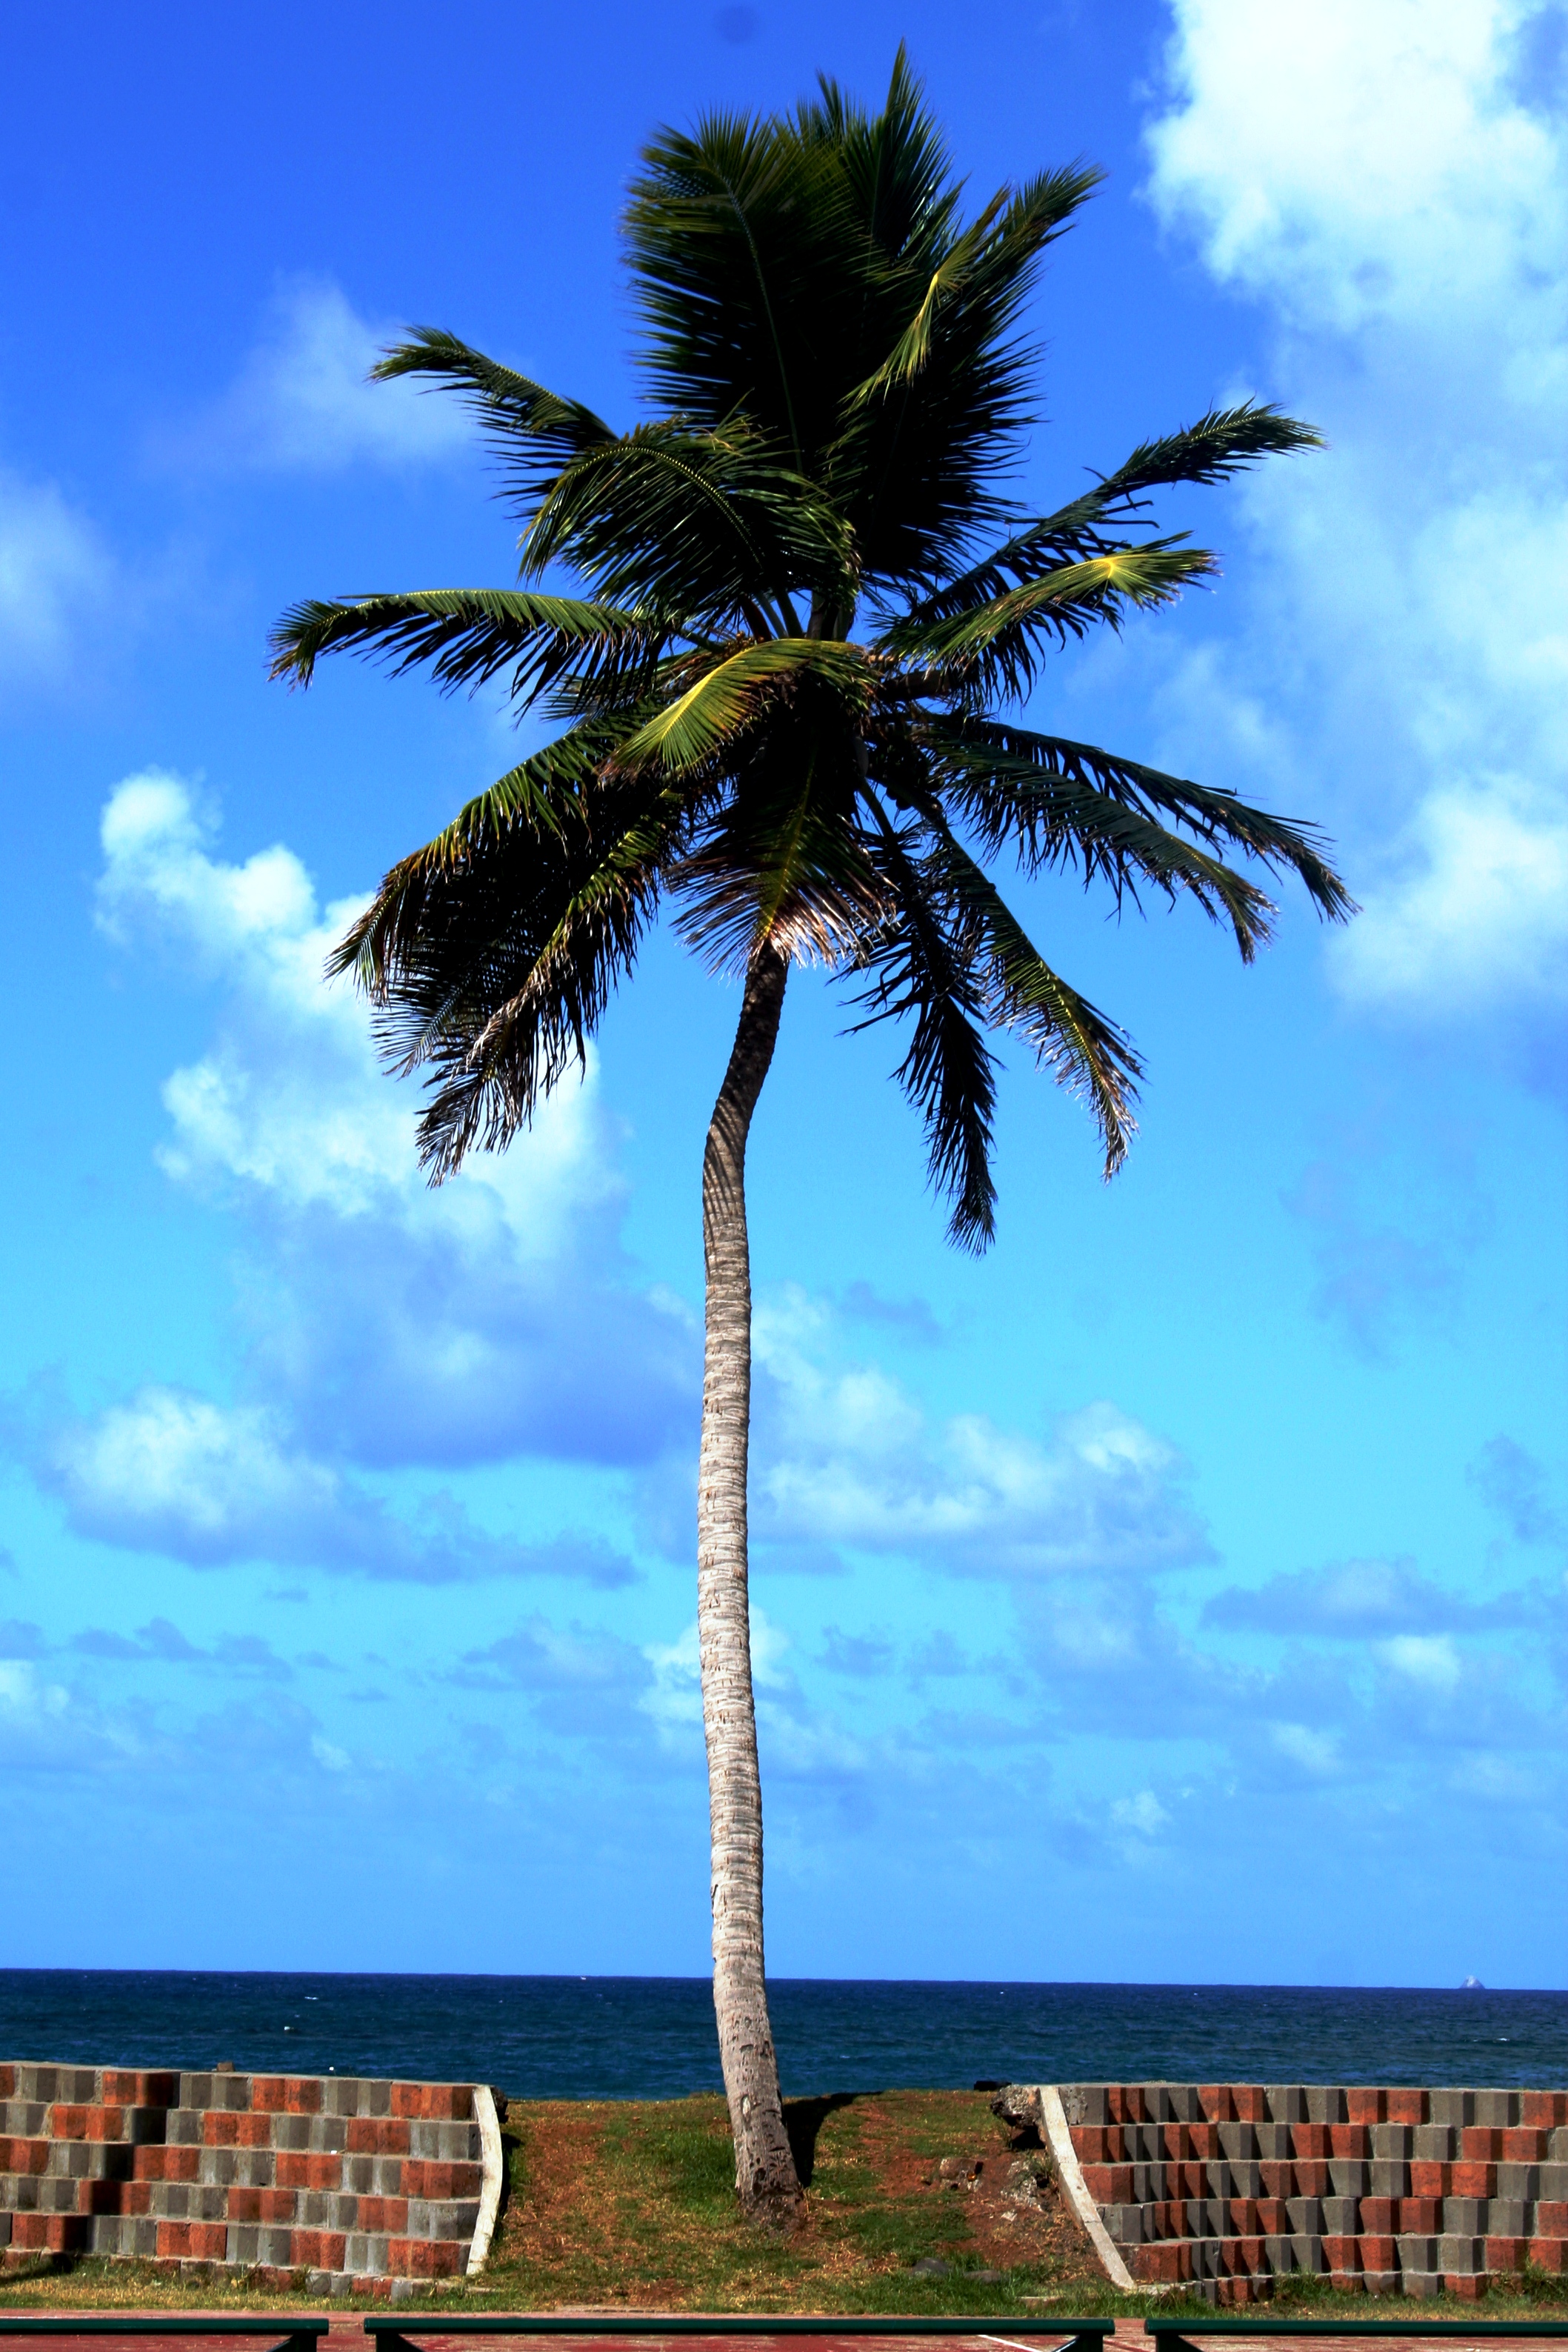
(1226, 2187)
(342, 2179)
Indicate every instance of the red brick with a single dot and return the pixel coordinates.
(1342, 2254)
(1108, 2184)
(1480, 2144)
(378, 2136)
(1379, 2216)
(1214, 2098)
(101, 2196)
(7, 2082)
(1543, 2109)
(1311, 2180)
(286, 2095)
(1248, 2102)
(138, 2197)
(318, 2250)
(467, 2180)
(245, 2204)
(1189, 2180)
(1311, 2140)
(1158, 2265)
(131, 2089)
(1472, 2180)
(425, 2258)
(25, 2155)
(209, 2240)
(1272, 2219)
(384, 2216)
(410, 2099)
(1523, 2146)
(1241, 2213)
(1378, 2252)
(1278, 2179)
(1468, 2285)
(1551, 2218)
(1507, 2253)
(220, 2128)
(67, 2123)
(278, 2205)
(302, 2169)
(173, 2238)
(155, 2163)
(1205, 2141)
(1545, 2254)
(1096, 2143)
(51, 2234)
(1406, 2107)
(1365, 2103)
(1428, 2179)
(1420, 2217)
(1352, 2142)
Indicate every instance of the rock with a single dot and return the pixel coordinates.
(1018, 2104)
(931, 2266)
(987, 2082)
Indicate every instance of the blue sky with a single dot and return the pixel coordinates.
(1177, 1593)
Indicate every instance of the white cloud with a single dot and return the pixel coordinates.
(846, 1455)
(302, 401)
(54, 574)
(1144, 1814)
(1372, 173)
(1316, 1752)
(1429, 1660)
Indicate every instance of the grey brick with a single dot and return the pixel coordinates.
(1085, 2103)
(1287, 2102)
(185, 2128)
(1305, 2215)
(1518, 2181)
(433, 2218)
(445, 2143)
(1498, 2108)
(1465, 2216)
(1325, 2104)
(1420, 2283)
(1433, 2143)
(1391, 2143)
(328, 2134)
(243, 2244)
(1388, 2179)
(1460, 2254)
(1348, 2178)
(1217, 2180)
(292, 2131)
(169, 2201)
(1273, 2142)
(1307, 2247)
(1340, 2217)
(1557, 2143)
(1203, 2217)
(272, 2246)
(1553, 2183)
(1506, 2217)
(1455, 2108)
(5, 2229)
(1183, 2104)
(24, 2118)
(1239, 2143)
(1125, 2223)
(1418, 2255)
(20, 2192)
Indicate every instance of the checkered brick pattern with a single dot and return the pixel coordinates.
(1226, 2186)
(346, 2179)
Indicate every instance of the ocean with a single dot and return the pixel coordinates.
(652, 2037)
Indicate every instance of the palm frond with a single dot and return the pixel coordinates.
(968, 749)
(466, 635)
(725, 700)
(532, 430)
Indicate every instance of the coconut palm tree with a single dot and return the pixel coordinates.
(786, 624)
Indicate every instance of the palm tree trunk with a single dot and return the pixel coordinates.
(765, 2174)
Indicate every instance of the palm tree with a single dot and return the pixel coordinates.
(807, 610)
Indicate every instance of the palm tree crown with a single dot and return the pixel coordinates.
(806, 611)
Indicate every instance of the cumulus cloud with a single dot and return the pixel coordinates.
(394, 1323)
(1514, 1485)
(847, 1456)
(55, 573)
(170, 1472)
(1357, 1600)
(1377, 176)
(302, 402)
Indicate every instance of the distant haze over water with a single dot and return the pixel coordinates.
(652, 2037)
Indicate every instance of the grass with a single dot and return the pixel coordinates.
(625, 2205)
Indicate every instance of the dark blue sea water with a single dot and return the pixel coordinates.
(651, 2037)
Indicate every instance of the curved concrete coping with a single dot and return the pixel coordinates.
(490, 2155)
(1059, 2141)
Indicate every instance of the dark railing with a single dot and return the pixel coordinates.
(393, 2334)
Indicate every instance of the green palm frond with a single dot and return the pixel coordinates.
(534, 432)
(780, 623)
(466, 635)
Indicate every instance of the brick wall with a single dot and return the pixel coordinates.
(1226, 2186)
(343, 2179)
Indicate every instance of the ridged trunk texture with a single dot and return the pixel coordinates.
(765, 2174)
